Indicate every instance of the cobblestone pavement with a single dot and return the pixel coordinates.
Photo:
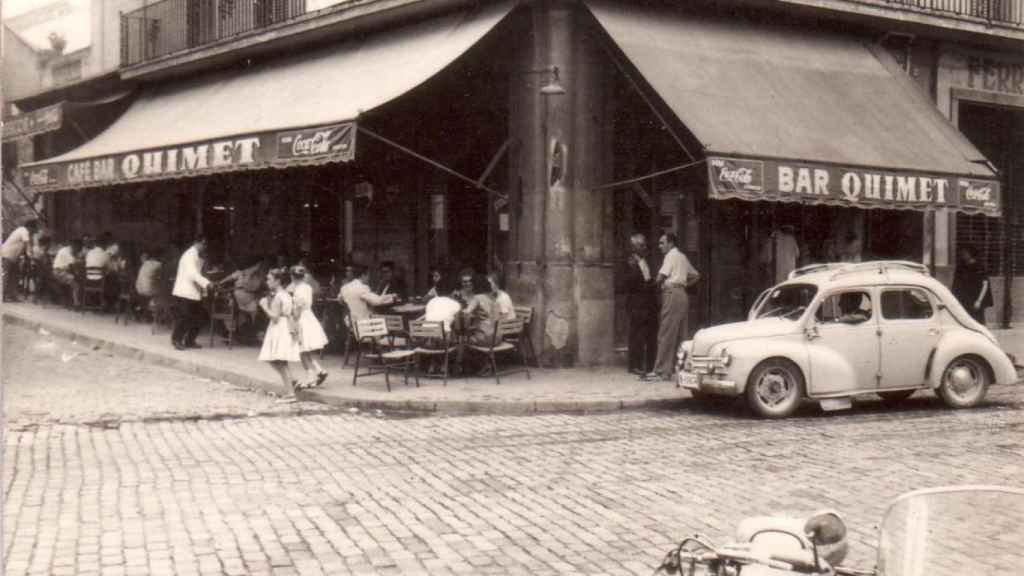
(338, 493)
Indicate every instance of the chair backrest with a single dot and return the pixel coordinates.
(394, 322)
(424, 330)
(223, 303)
(509, 328)
(374, 327)
(95, 273)
(524, 313)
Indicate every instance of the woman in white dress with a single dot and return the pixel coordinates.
(280, 345)
(312, 338)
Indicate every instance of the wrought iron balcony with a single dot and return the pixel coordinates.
(170, 26)
(990, 12)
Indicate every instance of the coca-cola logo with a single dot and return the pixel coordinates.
(736, 175)
(318, 143)
(39, 177)
(978, 193)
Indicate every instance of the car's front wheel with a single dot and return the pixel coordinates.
(775, 388)
(965, 382)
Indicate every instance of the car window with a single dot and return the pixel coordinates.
(849, 307)
(788, 301)
(906, 304)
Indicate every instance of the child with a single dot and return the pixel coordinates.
(280, 345)
(311, 334)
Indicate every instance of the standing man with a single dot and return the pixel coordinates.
(675, 276)
(641, 303)
(971, 285)
(189, 288)
(17, 245)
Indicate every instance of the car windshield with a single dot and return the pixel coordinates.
(788, 301)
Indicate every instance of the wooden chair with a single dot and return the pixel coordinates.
(503, 329)
(432, 340)
(525, 313)
(370, 332)
(93, 285)
(125, 304)
(397, 336)
(160, 310)
(223, 309)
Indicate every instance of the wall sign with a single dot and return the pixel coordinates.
(35, 122)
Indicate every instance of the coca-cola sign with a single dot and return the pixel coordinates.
(738, 175)
(337, 140)
(981, 193)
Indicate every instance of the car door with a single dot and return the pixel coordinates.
(843, 343)
(910, 330)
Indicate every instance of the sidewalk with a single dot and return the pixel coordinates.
(563, 390)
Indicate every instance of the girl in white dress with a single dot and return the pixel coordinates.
(280, 345)
(312, 338)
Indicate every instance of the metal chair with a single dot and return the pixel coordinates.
(125, 304)
(93, 285)
(525, 313)
(371, 331)
(503, 329)
(223, 309)
(397, 336)
(432, 340)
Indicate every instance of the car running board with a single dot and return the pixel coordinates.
(833, 404)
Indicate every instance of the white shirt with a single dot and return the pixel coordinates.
(64, 259)
(97, 258)
(359, 297)
(189, 282)
(442, 309)
(149, 276)
(506, 311)
(15, 244)
(677, 268)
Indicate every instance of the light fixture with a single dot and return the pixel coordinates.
(553, 87)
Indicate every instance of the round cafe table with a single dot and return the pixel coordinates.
(409, 309)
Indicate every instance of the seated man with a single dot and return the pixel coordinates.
(147, 283)
(97, 267)
(388, 283)
(64, 264)
(358, 296)
(506, 311)
(248, 288)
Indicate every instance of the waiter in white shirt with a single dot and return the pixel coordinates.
(189, 288)
(17, 245)
(675, 276)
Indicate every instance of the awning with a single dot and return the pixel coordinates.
(292, 111)
(796, 115)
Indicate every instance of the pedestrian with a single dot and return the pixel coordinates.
(280, 343)
(312, 338)
(17, 245)
(189, 288)
(971, 284)
(641, 303)
(675, 275)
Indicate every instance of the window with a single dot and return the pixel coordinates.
(851, 307)
(906, 304)
(66, 72)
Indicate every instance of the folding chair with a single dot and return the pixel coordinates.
(397, 336)
(223, 310)
(432, 340)
(503, 329)
(372, 331)
(525, 313)
(160, 310)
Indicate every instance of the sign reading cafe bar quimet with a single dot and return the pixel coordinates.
(785, 181)
(332, 143)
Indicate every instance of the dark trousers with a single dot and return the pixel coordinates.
(977, 313)
(11, 277)
(188, 316)
(643, 334)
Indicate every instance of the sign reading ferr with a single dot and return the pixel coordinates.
(845, 186)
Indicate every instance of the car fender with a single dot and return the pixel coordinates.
(747, 354)
(960, 342)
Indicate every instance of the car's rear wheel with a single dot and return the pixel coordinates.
(895, 397)
(775, 388)
(965, 382)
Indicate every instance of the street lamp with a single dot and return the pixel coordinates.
(553, 87)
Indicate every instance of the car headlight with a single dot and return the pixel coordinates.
(725, 358)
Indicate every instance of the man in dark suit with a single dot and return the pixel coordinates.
(388, 282)
(642, 304)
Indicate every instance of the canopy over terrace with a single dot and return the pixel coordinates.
(797, 116)
(291, 111)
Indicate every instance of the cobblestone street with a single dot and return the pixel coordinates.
(116, 467)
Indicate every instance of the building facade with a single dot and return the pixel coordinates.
(534, 137)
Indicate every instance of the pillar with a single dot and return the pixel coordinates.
(562, 242)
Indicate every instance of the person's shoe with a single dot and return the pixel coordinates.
(178, 346)
(321, 377)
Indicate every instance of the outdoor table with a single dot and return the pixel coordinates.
(409, 309)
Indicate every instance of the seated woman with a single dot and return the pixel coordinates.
(481, 313)
(437, 284)
(506, 311)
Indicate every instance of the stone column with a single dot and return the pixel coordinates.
(560, 261)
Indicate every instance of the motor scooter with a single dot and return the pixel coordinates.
(950, 531)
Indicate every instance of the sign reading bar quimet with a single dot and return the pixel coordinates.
(785, 181)
(332, 143)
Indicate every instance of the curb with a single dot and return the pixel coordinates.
(453, 407)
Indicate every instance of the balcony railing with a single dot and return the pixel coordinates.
(170, 26)
(1003, 12)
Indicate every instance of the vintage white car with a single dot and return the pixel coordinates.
(833, 331)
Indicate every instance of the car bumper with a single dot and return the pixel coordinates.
(708, 383)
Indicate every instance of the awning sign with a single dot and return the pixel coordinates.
(333, 143)
(784, 181)
(35, 122)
